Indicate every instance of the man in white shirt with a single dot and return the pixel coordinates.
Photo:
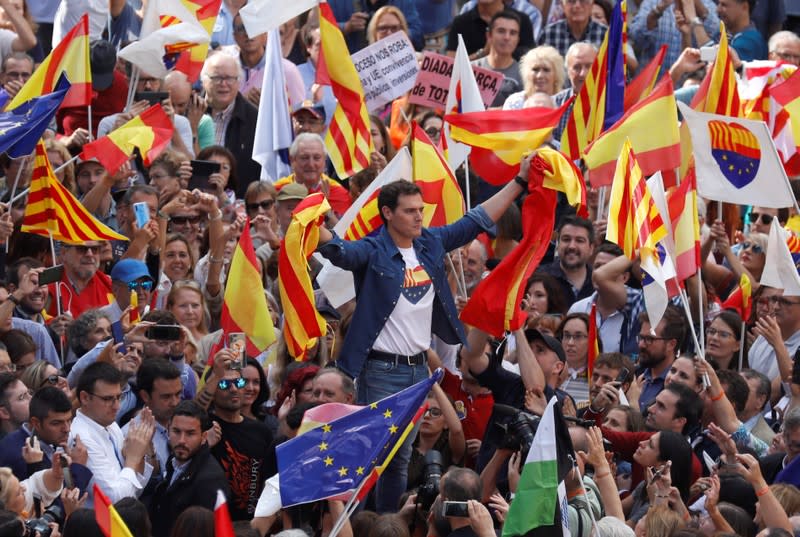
(117, 462)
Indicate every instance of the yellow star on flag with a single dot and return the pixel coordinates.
(393, 429)
(373, 406)
(360, 470)
(342, 471)
(387, 414)
(328, 461)
(326, 428)
(323, 446)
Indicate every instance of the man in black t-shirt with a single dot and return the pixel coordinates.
(244, 450)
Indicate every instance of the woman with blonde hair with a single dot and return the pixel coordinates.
(541, 71)
(386, 21)
(41, 374)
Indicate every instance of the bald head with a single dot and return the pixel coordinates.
(180, 91)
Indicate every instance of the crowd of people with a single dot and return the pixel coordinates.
(668, 439)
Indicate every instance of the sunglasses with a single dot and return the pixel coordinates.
(225, 384)
(755, 248)
(766, 219)
(183, 220)
(433, 133)
(83, 250)
(52, 380)
(146, 285)
(266, 205)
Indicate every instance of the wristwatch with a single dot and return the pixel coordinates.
(697, 21)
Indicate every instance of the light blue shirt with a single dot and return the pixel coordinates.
(45, 350)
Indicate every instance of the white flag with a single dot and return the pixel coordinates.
(464, 96)
(262, 16)
(780, 271)
(274, 126)
(736, 161)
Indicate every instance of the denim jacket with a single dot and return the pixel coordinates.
(378, 270)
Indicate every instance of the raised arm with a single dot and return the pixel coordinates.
(529, 368)
(611, 292)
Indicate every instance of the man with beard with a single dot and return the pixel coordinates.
(575, 249)
(193, 475)
(657, 350)
(31, 305)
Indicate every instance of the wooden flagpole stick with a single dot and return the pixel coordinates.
(461, 291)
(741, 345)
(16, 183)
(702, 316)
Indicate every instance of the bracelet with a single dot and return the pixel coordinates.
(601, 476)
(216, 260)
(521, 182)
(661, 495)
(762, 492)
(718, 397)
(13, 299)
(216, 217)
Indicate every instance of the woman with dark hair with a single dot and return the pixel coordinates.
(256, 390)
(225, 184)
(21, 349)
(194, 522)
(380, 139)
(573, 332)
(724, 340)
(90, 328)
(543, 296)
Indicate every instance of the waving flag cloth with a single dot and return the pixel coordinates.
(70, 57)
(641, 86)
(739, 299)
(22, 128)
(107, 517)
(463, 97)
(594, 347)
(737, 161)
(780, 270)
(302, 321)
(53, 210)
(444, 203)
(635, 224)
(190, 61)
(540, 504)
(223, 527)
(262, 16)
(785, 120)
(360, 220)
(615, 74)
(656, 148)
(499, 138)
(150, 132)
(685, 228)
(348, 139)
(718, 93)
(494, 306)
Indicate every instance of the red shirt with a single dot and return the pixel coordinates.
(474, 412)
(104, 103)
(96, 294)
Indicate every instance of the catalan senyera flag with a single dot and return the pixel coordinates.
(366, 221)
(348, 140)
(682, 207)
(302, 321)
(53, 211)
(787, 95)
(594, 348)
(444, 203)
(107, 517)
(150, 132)
(245, 308)
(500, 138)
(656, 148)
(133, 316)
(718, 93)
(739, 299)
(641, 86)
(70, 57)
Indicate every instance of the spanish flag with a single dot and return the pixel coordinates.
(150, 132)
(682, 207)
(500, 138)
(739, 299)
(718, 93)
(53, 211)
(444, 203)
(190, 62)
(594, 348)
(641, 86)
(107, 517)
(302, 322)
(348, 140)
(71, 57)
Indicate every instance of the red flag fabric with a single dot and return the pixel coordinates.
(641, 86)
(594, 348)
(223, 527)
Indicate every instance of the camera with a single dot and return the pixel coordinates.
(432, 474)
(42, 524)
(518, 429)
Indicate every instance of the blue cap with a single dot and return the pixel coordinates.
(129, 270)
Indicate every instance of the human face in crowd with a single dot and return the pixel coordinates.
(602, 258)
(574, 247)
(307, 121)
(682, 370)
(313, 50)
(791, 443)
(168, 185)
(652, 348)
(122, 292)
(24, 362)
(503, 36)
(224, 166)
(180, 93)
(433, 421)
(5, 360)
(16, 401)
(579, 63)
(248, 45)
(543, 78)
(377, 138)
(262, 204)
(648, 454)
(100, 332)
(387, 25)
(475, 264)
(187, 223)
(733, 12)
(308, 163)
(720, 340)
(222, 82)
(785, 309)
(787, 50)
(53, 377)
(577, 12)
(760, 219)
(16, 495)
(88, 175)
(37, 299)
(81, 261)
(284, 211)
(231, 400)
(575, 340)
(598, 15)
(186, 436)
(253, 386)
(616, 420)
(54, 429)
(164, 398)
(405, 222)
(601, 375)
(752, 255)
(188, 308)
(328, 389)
(3, 297)
(548, 359)
(433, 128)
(56, 161)
(755, 402)
(538, 298)
(17, 69)
(661, 413)
(149, 83)
(103, 403)
(132, 359)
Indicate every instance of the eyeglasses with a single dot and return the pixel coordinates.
(226, 384)
(784, 302)
(388, 29)
(266, 205)
(160, 176)
(648, 339)
(719, 333)
(584, 2)
(146, 285)
(108, 399)
(766, 219)
(223, 79)
(433, 132)
(83, 250)
(183, 220)
(24, 396)
(433, 412)
(786, 56)
(239, 29)
(755, 248)
(566, 336)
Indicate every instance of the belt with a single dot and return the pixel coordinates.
(417, 359)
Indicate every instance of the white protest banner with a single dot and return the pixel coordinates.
(433, 82)
(387, 69)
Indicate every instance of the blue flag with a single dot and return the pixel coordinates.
(22, 127)
(615, 81)
(336, 457)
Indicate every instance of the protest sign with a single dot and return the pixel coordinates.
(433, 82)
(387, 69)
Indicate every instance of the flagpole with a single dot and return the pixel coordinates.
(601, 203)
(702, 316)
(70, 161)
(583, 489)
(134, 81)
(741, 345)
(461, 271)
(698, 349)
(91, 134)
(349, 507)
(467, 189)
(24, 193)
(458, 281)
(14, 187)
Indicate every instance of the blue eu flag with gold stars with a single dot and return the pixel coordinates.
(22, 127)
(335, 457)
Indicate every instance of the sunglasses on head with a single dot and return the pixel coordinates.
(755, 248)
(766, 219)
(266, 205)
(225, 384)
(146, 285)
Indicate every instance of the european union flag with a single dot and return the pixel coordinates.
(22, 127)
(335, 457)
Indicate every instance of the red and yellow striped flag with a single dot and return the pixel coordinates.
(302, 322)
(594, 349)
(718, 93)
(444, 203)
(53, 210)
(634, 222)
(190, 56)
(739, 299)
(682, 207)
(366, 221)
(150, 132)
(641, 86)
(133, 315)
(107, 517)
(71, 56)
(348, 140)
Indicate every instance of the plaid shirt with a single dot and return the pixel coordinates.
(560, 98)
(558, 35)
(221, 120)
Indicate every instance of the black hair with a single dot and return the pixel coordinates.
(12, 271)
(389, 195)
(154, 369)
(194, 521)
(674, 447)
(82, 523)
(134, 515)
(18, 344)
(97, 372)
(295, 415)
(577, 221)
(257, 408)
(504, 14)
(688, 404)
(49, 399)
(556, 301)
(160, 317)
(6, 381)
(461, 485)
(191, 409)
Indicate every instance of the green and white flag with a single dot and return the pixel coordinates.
(538, 492)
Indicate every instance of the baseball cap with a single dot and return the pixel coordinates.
(550, 342)
(316, 109)
(129, 270)
(103, 59)
(292, 191)
(324, 307)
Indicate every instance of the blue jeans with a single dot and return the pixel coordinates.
(381, 379)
